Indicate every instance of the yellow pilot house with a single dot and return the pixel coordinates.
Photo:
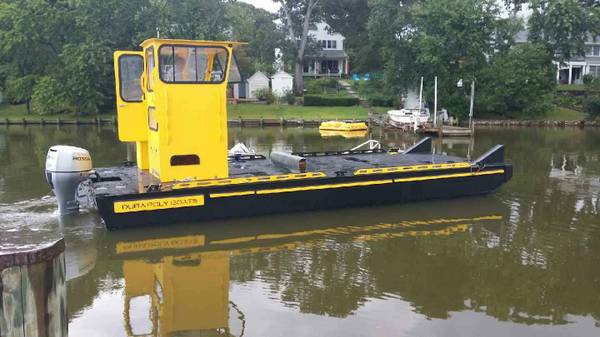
(171, 101)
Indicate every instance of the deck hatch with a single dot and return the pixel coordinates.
(248, 180)
(411, 168)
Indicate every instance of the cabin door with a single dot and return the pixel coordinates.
(131, 108)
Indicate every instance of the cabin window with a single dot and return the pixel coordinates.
(234, 71)
(152, 121)
(190, 64)
(150, 68)
(182, 160)
(131, 68)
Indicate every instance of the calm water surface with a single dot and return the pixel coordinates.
(524, 261)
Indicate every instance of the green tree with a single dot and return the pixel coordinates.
(562, 26)
(297, 17)
(257, 28)
(449, 39)
(518, 82)
(350, 18)
(32, 33)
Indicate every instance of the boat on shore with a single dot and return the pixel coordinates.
(408, 118)
(183, 172)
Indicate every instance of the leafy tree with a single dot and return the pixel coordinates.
(561, 25)
(257, 28)
(31, 33)
(297, 16)
(518, 82)
(449, 39)
(48, 97)
(350, 18)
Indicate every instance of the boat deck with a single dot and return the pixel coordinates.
(124, 180)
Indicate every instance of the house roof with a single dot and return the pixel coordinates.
(329, 54)
(258, 75)
(523, 35)
(282, 74)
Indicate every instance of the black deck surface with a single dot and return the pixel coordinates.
(128, 180)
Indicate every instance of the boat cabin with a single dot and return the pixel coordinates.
(171, 101)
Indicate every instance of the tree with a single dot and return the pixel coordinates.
(32, 33)
(562, 26)
(297, 16)
(256, 27)
(449, 39)
(350, 18)
(518, 82)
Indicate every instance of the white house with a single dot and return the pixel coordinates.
(573, 70)
(331, 59)
(256, 82)
(281, 82)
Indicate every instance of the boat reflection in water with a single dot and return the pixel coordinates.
(177, 284)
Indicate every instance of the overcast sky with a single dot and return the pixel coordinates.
(266, 4)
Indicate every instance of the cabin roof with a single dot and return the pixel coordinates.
(193, 42)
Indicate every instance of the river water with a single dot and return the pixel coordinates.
(524, 261)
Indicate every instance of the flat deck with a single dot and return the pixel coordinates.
(128, 180)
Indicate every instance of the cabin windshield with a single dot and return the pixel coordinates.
(192, 64)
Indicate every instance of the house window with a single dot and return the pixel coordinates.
(595, 71)
(595, 50)
(328, 43)
(334, 44)
(323, 44)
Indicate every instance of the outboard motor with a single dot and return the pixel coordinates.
(66, 168)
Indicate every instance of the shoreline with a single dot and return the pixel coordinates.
(249, 122)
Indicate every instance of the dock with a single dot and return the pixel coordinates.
(447, 131)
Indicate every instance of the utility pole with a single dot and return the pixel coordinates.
(471, 107)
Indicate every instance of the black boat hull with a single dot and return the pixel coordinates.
(201, 204)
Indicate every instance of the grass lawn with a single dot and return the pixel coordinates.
(276, 111)
(256, 111)
(19, 111)
(563, 114)
(570, 87)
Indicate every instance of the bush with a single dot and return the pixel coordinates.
(320, 100)
(591, 106)
(320, 86)
(289, 97)
(265, 95)
(49, 98)
(383, 100)
(568, 101)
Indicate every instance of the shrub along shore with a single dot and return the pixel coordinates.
(559, 117)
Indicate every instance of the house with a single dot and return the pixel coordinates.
(282, 82)
(331, 59)
(256, 82)
(573, 70)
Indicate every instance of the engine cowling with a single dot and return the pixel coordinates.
(66, 167)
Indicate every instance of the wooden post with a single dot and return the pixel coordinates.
(32, 288)
(435, 102)
(471, 105)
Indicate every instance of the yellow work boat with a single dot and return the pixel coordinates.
(171, 103)
(343, 126)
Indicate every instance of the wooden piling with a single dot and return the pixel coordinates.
(32, 287)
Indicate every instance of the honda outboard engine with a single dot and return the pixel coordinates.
(66, 168)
